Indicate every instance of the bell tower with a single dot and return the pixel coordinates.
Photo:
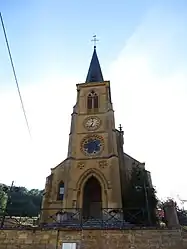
(89, 178)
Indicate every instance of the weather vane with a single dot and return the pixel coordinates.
(95, 40)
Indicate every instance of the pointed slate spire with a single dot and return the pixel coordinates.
(94, 72)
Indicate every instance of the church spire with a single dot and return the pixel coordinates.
(94, 72)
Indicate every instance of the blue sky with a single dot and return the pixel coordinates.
(45, 29)
(142, 50)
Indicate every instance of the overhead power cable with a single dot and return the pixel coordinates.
(14, 72)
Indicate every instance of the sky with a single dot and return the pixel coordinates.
(142, 51)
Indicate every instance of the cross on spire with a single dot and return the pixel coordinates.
(120, 127)
(94, 40)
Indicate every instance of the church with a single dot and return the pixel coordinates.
(93, 179)
(91, 199)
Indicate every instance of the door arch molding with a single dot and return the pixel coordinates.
(83, 179)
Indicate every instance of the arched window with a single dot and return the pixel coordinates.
(60, 195)
(89, 101)
(95, 99)
(92, 101)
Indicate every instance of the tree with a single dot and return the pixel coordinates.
(141, 198)
(3, 198)
(182, 215)
(20, 201)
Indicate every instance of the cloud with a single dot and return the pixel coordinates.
(48, 106)
(149, 92)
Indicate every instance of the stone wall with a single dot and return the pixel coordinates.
(92, 239)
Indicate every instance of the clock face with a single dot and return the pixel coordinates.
(92, 145)
(92, 123)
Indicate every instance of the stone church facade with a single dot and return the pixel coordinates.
(96, 171)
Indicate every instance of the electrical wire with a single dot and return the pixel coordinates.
(14, 72)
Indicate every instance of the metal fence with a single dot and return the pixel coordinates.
(75, 219)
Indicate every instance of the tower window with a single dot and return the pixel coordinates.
(60, 191)
(89, 102)
(95, 101)
(92, 101)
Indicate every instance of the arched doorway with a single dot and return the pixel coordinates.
(92, 199)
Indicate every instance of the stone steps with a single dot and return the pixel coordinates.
(92, 223)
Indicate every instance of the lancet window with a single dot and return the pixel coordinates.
(60, 191)
(92, 101)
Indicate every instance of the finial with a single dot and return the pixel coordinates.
(94, 40)
(120, 127)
